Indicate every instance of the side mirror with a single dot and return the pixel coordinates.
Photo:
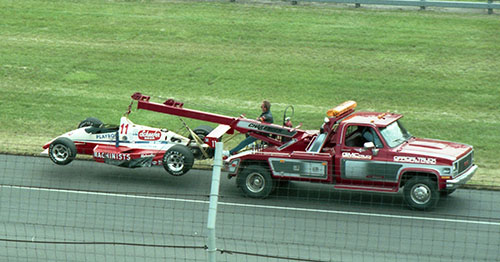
(371, 146)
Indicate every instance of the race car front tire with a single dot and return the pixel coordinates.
(178, 160)
(62, 151)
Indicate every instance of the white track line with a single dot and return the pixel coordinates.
(259, 206)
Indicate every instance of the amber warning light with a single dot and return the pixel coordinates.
(342, 108)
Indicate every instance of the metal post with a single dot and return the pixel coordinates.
(214, 197)
(422, 7)
(490, 10)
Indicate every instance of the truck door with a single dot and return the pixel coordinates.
(360, 165)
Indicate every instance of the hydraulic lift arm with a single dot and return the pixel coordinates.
(226, 124)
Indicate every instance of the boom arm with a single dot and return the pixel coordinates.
(242, 125)
(173, 107)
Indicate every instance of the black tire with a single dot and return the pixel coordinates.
(255, 181)
(62, 151)
(90, 121)
(280, 185)
(178, 160)
(447, 192)
(202, 132)
(421, 193)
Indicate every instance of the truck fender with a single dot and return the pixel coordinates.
(407, 173)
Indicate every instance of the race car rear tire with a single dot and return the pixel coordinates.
(90, 121)
(62, 151)
(178, 160)
(255, 181)
(202, 131)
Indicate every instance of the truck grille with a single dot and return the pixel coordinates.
(465, 162)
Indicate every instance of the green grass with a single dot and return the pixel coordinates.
(62, 61)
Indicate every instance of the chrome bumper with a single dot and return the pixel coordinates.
(462, 179)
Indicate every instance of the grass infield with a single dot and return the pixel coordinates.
(62, 61)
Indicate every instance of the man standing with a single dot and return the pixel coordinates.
(265, 117)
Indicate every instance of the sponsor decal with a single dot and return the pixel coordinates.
(105, 136)
(355, 155)
(147, 155)
(266, 128)
(416, 160)
(149, 135)
(260, 127)
(114, 156)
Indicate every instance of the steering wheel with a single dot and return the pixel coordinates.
(287, 120)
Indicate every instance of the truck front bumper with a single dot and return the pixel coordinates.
(462, 179)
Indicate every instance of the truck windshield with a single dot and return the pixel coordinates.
(395, 134)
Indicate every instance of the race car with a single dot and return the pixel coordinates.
(131, 145)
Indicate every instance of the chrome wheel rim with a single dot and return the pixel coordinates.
(175, 162)
(420, 194)
(60, 152)
(255, 182)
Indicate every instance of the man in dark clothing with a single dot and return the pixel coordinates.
(266, 117)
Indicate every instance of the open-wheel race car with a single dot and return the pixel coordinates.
(131, 145)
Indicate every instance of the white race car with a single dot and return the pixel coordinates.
(130, 145)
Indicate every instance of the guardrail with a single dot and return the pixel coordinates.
(489, 5)
(421, 3)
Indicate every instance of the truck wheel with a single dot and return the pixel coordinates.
(421, 193)
(62, 151)
(178, 160)
(255, 181)
(90, 121)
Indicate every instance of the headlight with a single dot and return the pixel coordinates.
(455, 166)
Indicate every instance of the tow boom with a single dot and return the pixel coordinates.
(227, 124)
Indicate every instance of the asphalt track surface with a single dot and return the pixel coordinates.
(87, 211)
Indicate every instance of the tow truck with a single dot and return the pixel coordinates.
(364, 151)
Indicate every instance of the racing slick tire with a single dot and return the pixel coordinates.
(178, 160)
(421, 193)
(202, 131)
(255, 181)
(62, 151)
(90, 121)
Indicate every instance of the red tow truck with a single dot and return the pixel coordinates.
(362, 151)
